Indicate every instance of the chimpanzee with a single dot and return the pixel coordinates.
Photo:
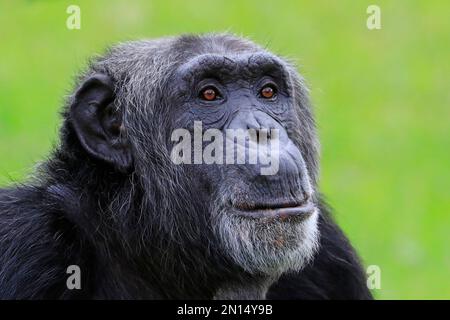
(111, 200)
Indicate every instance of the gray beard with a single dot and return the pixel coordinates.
(268, 246)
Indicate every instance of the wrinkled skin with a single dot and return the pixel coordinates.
(111, 200)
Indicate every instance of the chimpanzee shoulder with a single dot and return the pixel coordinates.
(36, 245)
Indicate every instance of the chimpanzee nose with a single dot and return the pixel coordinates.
(280, 167)
(259, 121)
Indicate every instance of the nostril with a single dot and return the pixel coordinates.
(253, 126)
(251, 122)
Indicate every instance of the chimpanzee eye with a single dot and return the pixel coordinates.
(268, 91)
(209, 94)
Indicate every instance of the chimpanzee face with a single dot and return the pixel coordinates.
(232, 130)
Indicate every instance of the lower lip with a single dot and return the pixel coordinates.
(301, 211)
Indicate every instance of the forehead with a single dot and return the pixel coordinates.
(246, 64)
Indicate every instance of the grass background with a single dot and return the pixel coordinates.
(382, 102)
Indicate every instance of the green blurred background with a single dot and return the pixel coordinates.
(382, 102)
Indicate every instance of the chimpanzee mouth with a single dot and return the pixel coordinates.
(276, 210)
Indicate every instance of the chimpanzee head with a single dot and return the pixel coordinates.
(216, 137)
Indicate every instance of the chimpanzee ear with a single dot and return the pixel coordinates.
(98, 125)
